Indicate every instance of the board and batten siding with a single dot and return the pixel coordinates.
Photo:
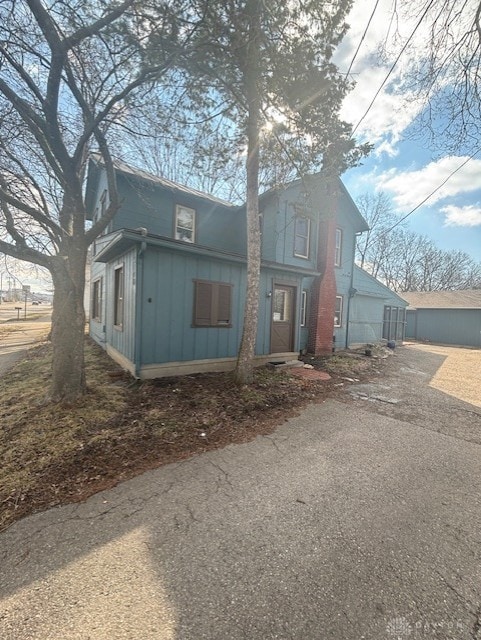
(167, 333)
(446, 326)
(122, 339)
(147, 205)
(279, 214)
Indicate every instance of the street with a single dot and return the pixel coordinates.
(17, 336)
(358, 519)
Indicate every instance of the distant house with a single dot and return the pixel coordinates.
(168, 276)
(446, 317)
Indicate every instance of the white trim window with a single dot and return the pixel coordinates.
(338, 312)
(97, 287)
(119, 297)
(184, 224)
(338, 254)
(303, 308)
(302, 233)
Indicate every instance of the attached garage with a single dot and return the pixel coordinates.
(445, 317)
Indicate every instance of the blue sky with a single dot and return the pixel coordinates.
(400, 166)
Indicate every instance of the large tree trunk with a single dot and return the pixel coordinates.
(68, 327)
(244, 371)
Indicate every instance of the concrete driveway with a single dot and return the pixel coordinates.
(358, 519)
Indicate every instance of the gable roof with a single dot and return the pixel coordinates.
(463, 299)
(367, 284)
(125, 169)
(360, 223)
(139, 174)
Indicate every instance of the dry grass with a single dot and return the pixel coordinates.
(36, 435)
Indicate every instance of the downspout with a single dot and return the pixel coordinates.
(139, 290)
(352, 291)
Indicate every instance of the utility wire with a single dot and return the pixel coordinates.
(404, 47)
(420, 204)
(362, 38)
(401, 220)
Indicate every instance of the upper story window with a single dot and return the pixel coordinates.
(184, 224)
(338, 254)
(301, 237)
(103, 203)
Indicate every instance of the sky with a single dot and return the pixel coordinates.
(401, 166)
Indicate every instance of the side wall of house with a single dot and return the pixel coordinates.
(344, 271)
(447, 326)
(279, 214)
(119, 338)
(167, 308)
(365, 319)
(150, 206)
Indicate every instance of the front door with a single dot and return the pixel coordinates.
(283, 318)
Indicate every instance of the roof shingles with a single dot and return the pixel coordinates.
(464, 299)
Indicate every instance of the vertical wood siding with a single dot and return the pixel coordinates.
(167, 333)
(447, 326)
(123, 340)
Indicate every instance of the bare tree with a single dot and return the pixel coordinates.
(372, 245)
(445, 71)
(70, 72)
(405, 260)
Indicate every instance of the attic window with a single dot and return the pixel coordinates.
(184, 224)
(212, 304)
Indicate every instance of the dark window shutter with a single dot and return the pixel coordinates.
(203, 304)
(224, 304)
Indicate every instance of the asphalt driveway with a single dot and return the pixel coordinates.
(358, 519)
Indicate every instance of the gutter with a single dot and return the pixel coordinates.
(352, 292)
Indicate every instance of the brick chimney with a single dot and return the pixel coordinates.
(323, 292)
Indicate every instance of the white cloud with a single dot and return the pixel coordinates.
(410, 188)
(395, 108)
(467, 216)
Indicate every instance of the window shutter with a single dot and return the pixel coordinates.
(224, 304)
(203, 304)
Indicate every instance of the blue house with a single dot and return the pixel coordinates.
(168, 277)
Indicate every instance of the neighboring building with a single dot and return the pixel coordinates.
(168, 277)
(446, 317)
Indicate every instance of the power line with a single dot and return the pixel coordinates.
(362, 38)
(404, 47)
(401, 220)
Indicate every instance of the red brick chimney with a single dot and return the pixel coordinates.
(323, 292)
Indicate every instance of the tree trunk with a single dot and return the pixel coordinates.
(244, 371)
(68, 327)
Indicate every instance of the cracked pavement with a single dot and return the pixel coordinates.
(357, 519)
